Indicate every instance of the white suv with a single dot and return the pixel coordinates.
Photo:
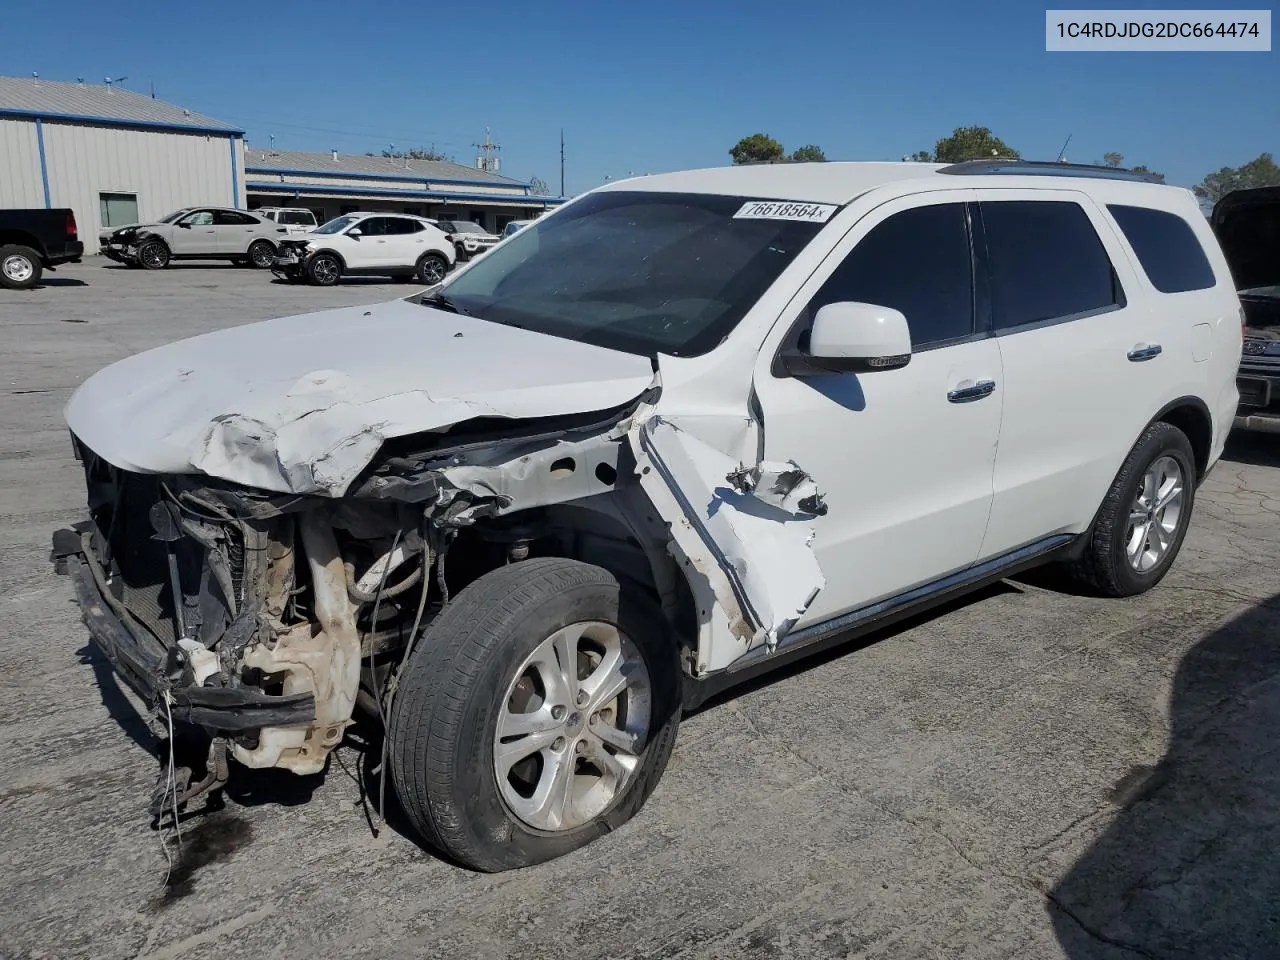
(367, 244)
(690, 426)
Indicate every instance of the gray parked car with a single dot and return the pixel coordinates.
(195, 233)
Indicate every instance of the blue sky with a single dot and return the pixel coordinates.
(658, 86)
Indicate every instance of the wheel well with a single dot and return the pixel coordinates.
(21, 238)
(1191, 417)
(580, 533)
(333, 253)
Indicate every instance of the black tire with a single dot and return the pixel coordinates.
(324, 270)
(261, 255)
(153, 255)
(431, 269)
(445, 710)
(1105, 565)
(20, 267)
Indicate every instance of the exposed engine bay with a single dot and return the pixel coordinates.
(263, 618)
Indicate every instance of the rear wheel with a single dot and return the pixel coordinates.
(261, 254)
(153, 255)
(536, 714)
(432, 269)
(324, 270)
(1144, 519)
(20, 267)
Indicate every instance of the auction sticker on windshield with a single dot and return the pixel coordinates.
(785, 210)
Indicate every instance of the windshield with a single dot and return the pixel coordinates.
(336, 225)
(175, 215)
(466, 226)
(635, 271)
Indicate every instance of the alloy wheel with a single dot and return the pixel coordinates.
(1155, 514)
(572, 726)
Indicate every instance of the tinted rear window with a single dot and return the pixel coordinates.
(1166, 247)
(1046, 262)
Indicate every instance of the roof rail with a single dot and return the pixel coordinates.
(1043, 168)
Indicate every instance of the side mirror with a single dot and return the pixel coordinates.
(852, 338)
(355, 232)
(185, 225)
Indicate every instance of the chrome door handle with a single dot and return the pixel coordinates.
(1146, 351)
(968, 392)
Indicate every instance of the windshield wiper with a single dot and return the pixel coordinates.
(445, 303)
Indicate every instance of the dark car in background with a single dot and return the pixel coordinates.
(32, 241)
(1247, 223)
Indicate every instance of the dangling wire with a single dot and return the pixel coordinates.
(373, 676)
(170, 790)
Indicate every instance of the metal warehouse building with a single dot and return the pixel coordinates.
(113, 156)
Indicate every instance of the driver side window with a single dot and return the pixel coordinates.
(201, 218)
(918, 262)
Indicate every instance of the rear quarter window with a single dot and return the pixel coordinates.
(1167, 248)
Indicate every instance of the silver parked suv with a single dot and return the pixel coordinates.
(195, 233)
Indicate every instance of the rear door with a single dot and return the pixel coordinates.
(405, 241)
(237, 230)
(1085, 369)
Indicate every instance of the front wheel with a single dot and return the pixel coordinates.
(536, 714)
(324, 270)
(261, 254)
(431, 269)
(153, 255)
(1144, 518)
(20, 267)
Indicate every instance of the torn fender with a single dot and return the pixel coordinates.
(748, 531)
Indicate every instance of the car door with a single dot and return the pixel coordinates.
(369, 249)
(1084, 369)
(405, 242)
(195, 235)
(236, 230)
(905, 457)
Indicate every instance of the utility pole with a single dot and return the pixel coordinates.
(488, 161)
(562, 161)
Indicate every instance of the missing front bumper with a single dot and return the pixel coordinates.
(151, 669)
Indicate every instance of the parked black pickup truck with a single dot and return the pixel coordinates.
(32, 241)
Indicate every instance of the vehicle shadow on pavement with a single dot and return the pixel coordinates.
(1191, 865)
(60, 282)
(117, 704)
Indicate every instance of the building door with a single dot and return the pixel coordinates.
(118, 209)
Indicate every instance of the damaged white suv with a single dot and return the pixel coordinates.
(684, 428)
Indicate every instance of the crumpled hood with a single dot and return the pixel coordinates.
(302, 404)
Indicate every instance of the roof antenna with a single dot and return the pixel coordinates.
(35, 78)
(1062, 153)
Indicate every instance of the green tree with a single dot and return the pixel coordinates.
(971, 143)
(415, 153)
(1112, 159)
(757, 148)
(539, 186)
(1258, 172)
(922, 156)
(809, 153)
(1143, 168)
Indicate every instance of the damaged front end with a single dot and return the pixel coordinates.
(261, 619)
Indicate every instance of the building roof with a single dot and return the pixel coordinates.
(298, 162)
(96, 102)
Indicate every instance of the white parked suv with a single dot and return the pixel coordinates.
(689, 427)
(293, 219)
(367, 244)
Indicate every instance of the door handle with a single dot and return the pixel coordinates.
(1145, 351)
(969, 391)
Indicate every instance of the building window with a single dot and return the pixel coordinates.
(117, 209)
(347, 208)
